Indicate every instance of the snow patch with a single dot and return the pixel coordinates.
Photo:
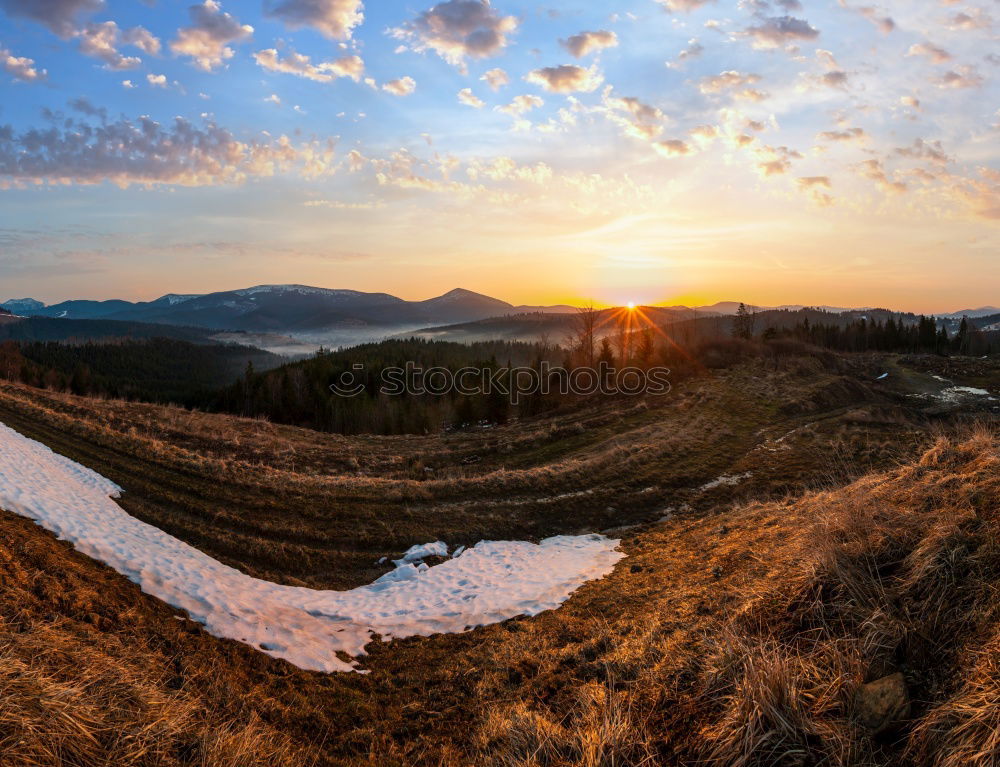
(726, 480)
(488, 583)
(422, 551)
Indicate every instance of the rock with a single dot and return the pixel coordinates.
(883, 703)
(636, 568)
(717, 572)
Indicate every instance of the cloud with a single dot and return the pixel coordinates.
(142, 39)
(812, 182)
(585, 43)
(459, 29)
(834, 77)
(635, 117)
(775, 161)
(672, 148)
(157, 81)
(884, 24)
(982, 194)
(403, 86)
(207, 39)
(335, 19)
(144, 152)
(566, 78)
(973, 18)
(693, 51)
(963, 77)
(522, 104)
(684, 6)
(932, 151)
(101, 41)
(496, 79)
(467, 97)
(777, 31)
(297, 64)
(934, 53)
(60, 16)
(20, 68)
(874, 170)
(844, 136)
(730, 81)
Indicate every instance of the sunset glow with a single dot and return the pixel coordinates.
(642, 152)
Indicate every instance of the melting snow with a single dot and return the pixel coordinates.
(957, 392)
(424, 550)
(727, 480)
(488, 583)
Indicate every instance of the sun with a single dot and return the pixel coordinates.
(631, 306)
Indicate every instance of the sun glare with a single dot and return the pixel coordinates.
(631, 306)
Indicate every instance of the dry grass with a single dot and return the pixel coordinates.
(734, 633)
(896, 572)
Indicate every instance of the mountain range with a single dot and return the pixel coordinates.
(283, 309)
(321, 313)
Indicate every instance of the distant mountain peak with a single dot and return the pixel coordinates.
(16, 305)
(301, 289)
(172, 299)
(461, 294)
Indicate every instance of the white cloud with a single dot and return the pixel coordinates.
(846, 135)
(459, 29)
(963, 77)
(777, 31)
(20, 67)
(566, 78)
(142, 39)
(496, 78)
(522, 104)
(935, 53)
(297, 64)
(335, 19)
(693, 51)
(207, 39)
(685, 6)
(585, 43)
(157, 81)
(403, 86)
(101, 40)
(144, 152)
(731, 81)
(672, 148)
(467, 97)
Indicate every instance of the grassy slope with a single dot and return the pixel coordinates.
(634, 665)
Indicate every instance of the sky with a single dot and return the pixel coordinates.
(654, 151)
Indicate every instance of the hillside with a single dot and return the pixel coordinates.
(739, 627)
(153, 370)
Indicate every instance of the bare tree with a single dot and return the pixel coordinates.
(584, 337)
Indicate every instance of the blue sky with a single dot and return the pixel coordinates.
(652, 150)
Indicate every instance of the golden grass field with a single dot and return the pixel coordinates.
(740, 629)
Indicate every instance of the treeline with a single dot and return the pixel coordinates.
(926, 335)
(300, 393)
(157, 370)
(98, 331)
(346, 392)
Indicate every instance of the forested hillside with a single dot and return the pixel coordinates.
(155, 370)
